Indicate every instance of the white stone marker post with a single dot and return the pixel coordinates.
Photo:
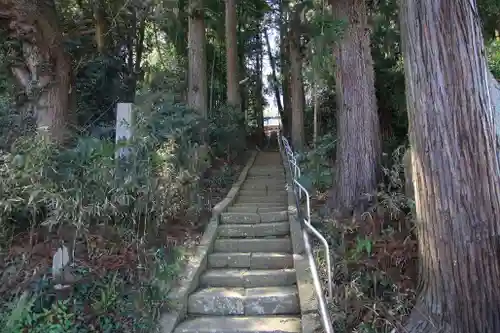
(123, 128)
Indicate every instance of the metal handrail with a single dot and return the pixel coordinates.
(307, 222)
(298, 189)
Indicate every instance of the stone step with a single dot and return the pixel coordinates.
(270, 209)
(254, 230)
(261, 205)
(255, 209)
(264, 187)
(248, 278)
(248, 218)
(238, 324)
(256, 260)
(267, 173)
(257, 200)
(278, 197)
(247, 302)
(242, 209)
(253, 245)
(262, 193)
(261, 186)
(278, 173)
(266, 166)
(266, 179)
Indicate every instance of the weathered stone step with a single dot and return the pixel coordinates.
(267, 178)
(263, 193)
(256, 209)
(274, 172)
(258, 200)
(247, 218)
(256, 260)
(254, 230)
(253, 245)
(270, 209)
(263, 187)
(266, 167)
(263, 196)
(237, 324)
(267, 173)
(262, 205)
(248, 278)
(241, 301)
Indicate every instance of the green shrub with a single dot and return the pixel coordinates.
(227, 132)
(391, 195)
(493, 52)
(316, 166)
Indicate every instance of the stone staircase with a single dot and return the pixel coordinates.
(250, 284)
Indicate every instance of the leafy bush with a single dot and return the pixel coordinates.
(227, 132)
(316, 164)
(391, 196)
(493, 50)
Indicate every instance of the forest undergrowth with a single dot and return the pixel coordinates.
(374, 256)
(128, 226)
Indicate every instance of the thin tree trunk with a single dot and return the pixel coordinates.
(315, 107)
(297, 90)
(197, 72)
(287, 98)
(101, 26)
(275, 83)
(358, 129)
(454, 166)
(233, 95)
(285, 69)
(212, 81)
(259, 107)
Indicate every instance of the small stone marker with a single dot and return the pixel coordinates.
(59, 262)
(123, 127)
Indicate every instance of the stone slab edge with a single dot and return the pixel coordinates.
(197, 264)
(311, 321)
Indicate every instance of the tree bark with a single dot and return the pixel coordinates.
(358, 128)
(315, 107)
(454, 167)
(233, 95)
(101, 26)
(285, 68)
(259, 104)
(197, 67)
(45, 72)
(297, 91)
(275, 83)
